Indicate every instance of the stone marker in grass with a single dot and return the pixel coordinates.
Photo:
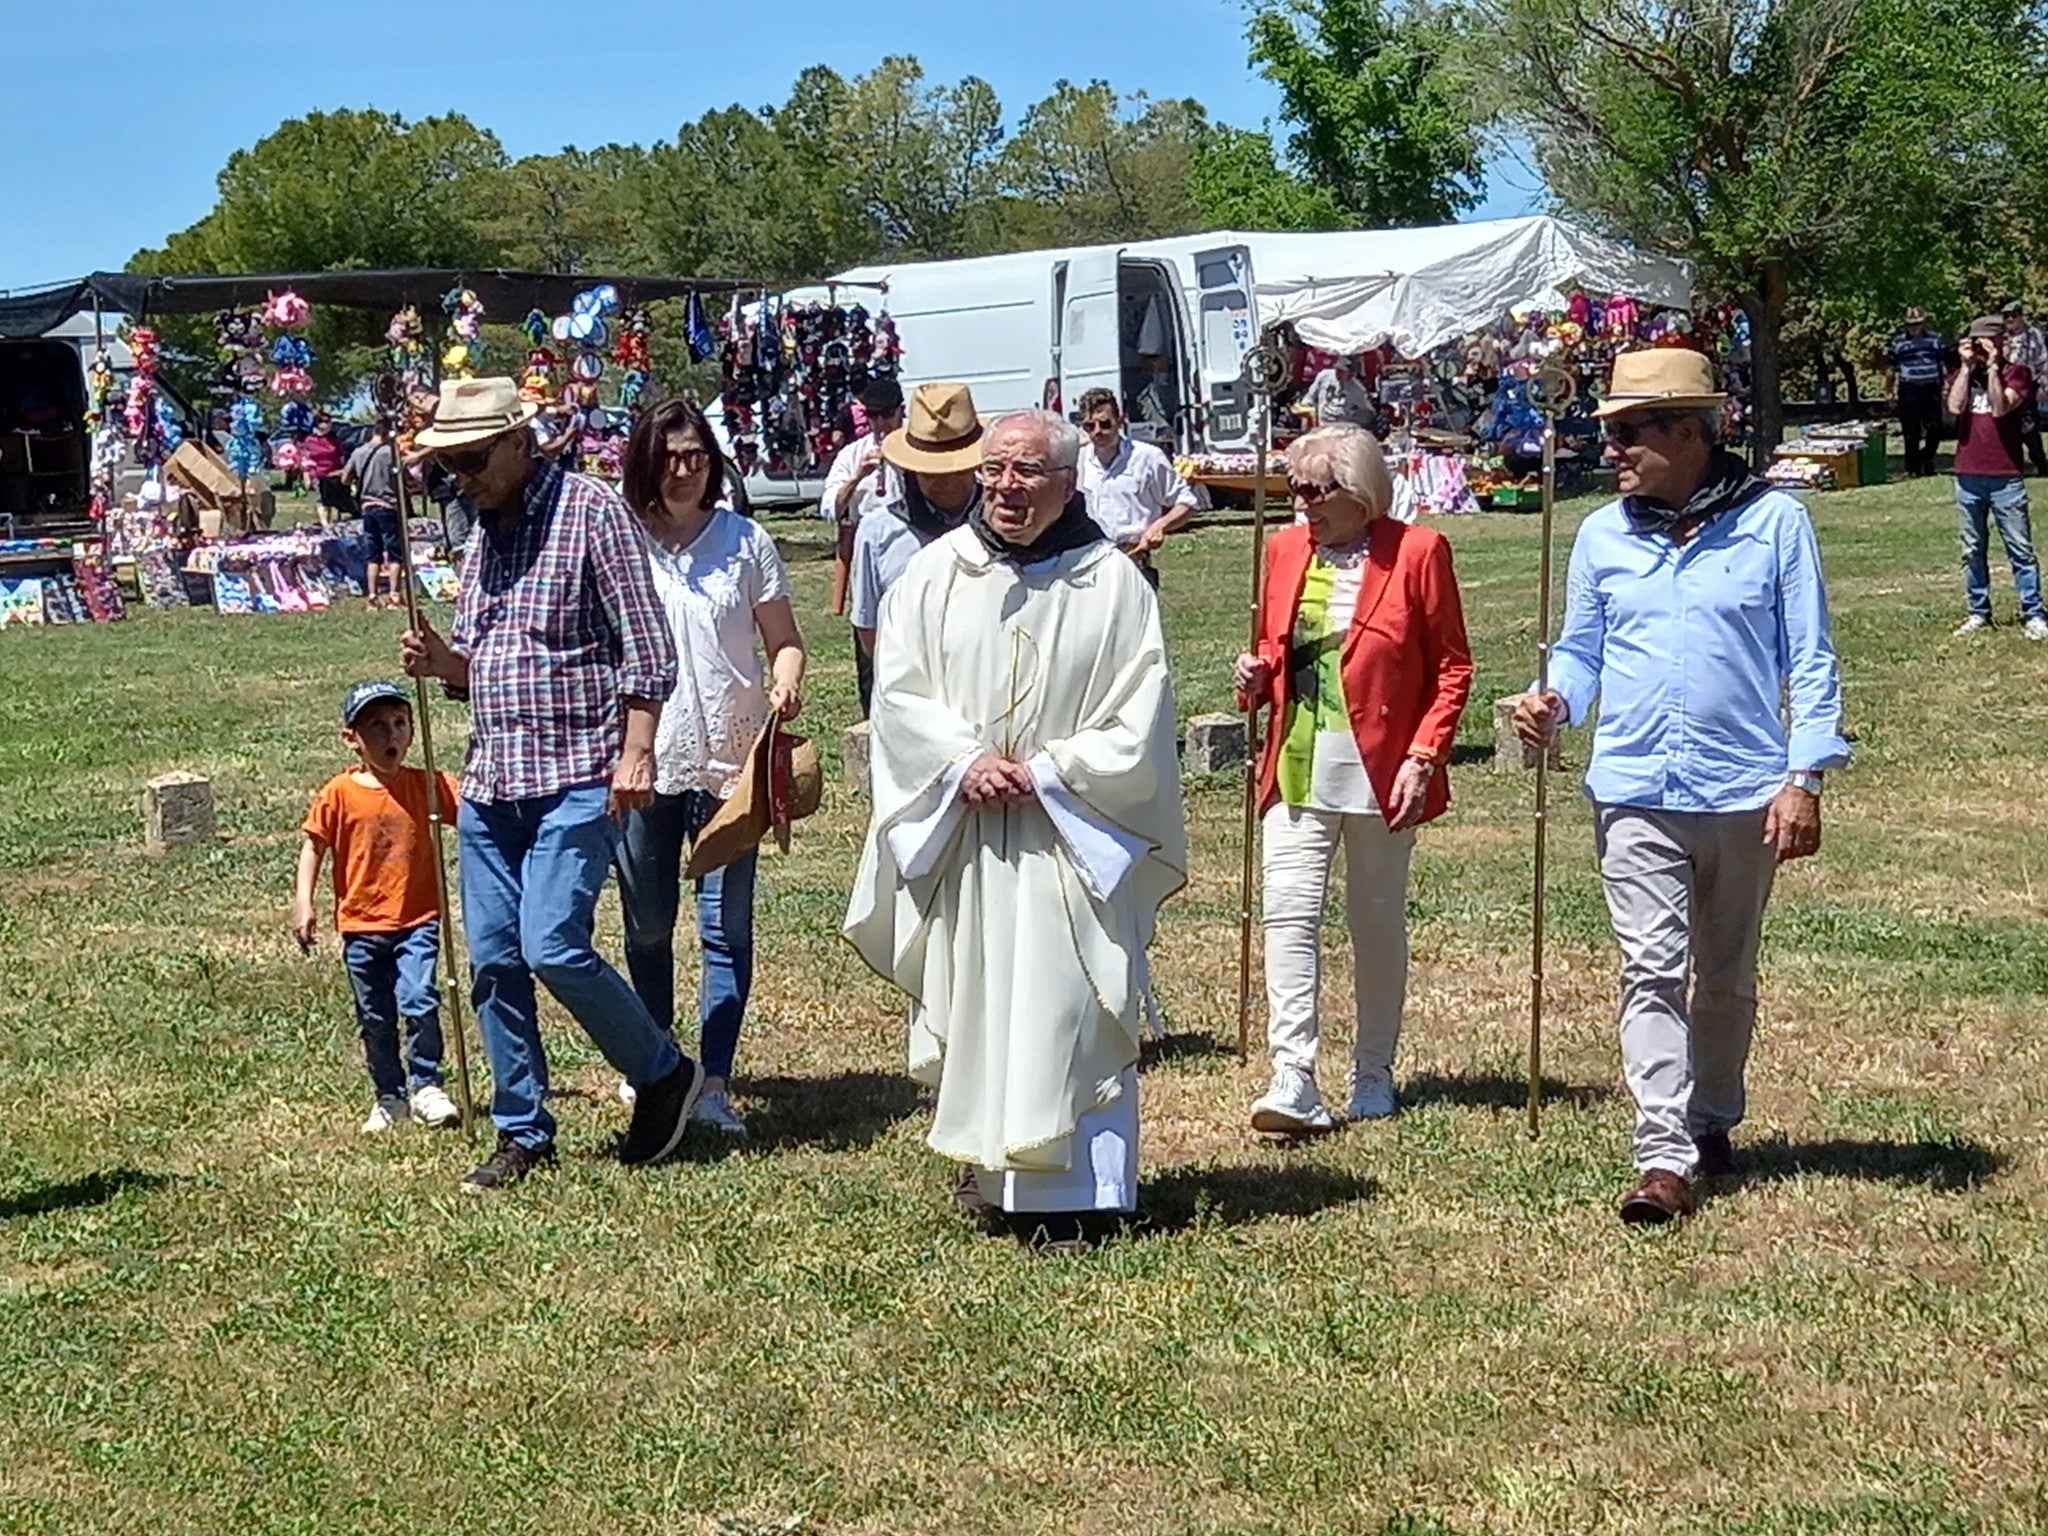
(1214, 743)
(177, 808)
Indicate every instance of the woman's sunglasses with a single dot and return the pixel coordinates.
(1310, 490)
(688, 460)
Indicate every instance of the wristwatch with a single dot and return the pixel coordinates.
(1810, 782)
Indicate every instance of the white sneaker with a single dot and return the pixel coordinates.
(1975, 624)
(1293, 1106)
(385, 1113)
(2037, 628)
(714, 1108)
(628, 1094)
(1372, 1095)
(433, 1105)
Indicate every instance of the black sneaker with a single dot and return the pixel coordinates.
(661, 1113)
(508, 1165)
(1717, 1158)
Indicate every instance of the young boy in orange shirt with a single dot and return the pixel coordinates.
(387, 908)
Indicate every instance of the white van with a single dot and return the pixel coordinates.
(1166, 323)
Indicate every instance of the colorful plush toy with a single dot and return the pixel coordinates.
(285, 311)
(245, 441)
(537, 383)
(466, 354)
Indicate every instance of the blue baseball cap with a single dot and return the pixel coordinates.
(363, 695)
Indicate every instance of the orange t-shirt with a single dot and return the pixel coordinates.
(383, 848)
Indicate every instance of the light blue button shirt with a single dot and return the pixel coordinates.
(1699, 655)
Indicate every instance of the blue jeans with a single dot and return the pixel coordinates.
(650, 894)
(1979, 499)
(531, 873)
(392, 975)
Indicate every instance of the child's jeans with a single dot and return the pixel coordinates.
(393, 978)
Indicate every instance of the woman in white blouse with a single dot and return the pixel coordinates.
(723, 586)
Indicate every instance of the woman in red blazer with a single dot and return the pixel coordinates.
(1363, 662)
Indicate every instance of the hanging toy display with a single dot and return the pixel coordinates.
(139, 415)
(465, 351)
(406, 344)
(291, 355)
(238, 336)
(245, 438)
(634, 355)
(537, 383)
(790, 377)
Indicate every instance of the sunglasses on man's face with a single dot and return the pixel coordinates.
(470, 463)
(1624, 433)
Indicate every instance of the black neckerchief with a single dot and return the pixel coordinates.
(927, 521)
(1730, 483)
(1072, 529)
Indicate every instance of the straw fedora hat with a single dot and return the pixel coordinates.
(473, 411)
(941, 435)
(1660, 379)
(780, 782)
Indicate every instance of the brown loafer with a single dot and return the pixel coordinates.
(968, 1199)
(1661, 1196)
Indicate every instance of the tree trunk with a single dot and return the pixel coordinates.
(1765, 306)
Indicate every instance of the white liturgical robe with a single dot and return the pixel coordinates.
(1019, 930)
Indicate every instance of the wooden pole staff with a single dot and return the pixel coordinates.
(452, 987)
(1265, 371)
(1552, 391)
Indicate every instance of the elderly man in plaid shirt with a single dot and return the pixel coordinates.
(562, 649)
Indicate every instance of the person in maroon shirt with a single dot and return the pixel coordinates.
(1986, 395)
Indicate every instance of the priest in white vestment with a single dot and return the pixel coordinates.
(1027, 825)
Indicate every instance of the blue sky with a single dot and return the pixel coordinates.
(94, 173)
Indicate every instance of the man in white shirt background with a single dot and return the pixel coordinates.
(859, 481)
(1135, 495)
(1338, 398)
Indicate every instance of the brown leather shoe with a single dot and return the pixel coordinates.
(1661, 1196)
(968, 1199)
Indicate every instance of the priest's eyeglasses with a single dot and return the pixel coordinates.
(1028, 471)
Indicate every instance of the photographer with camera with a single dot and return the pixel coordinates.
(1986, 395)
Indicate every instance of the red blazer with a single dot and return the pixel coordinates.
(1406, 664)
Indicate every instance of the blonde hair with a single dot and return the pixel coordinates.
(1354, 460)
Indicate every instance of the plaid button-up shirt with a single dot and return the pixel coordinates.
(560, 620)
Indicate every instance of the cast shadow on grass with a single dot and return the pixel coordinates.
(1947, 1165)
(1182, 1045)
(77, 1194)
(1180, 1198)
(842, 1113)
(1496, 1090)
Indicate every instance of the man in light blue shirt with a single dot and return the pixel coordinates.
(1696, 618)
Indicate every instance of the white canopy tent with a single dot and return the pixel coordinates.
(1419, 288)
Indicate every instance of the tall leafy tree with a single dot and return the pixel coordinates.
(1100, 168)
(1859, 153)
(1237, 182)
(1380, 119)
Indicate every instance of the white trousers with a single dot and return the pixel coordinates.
(1299, 845)
(1686, 891)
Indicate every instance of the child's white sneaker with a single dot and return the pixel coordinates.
(714, 1107)
(433, 1105)
(385, 1113)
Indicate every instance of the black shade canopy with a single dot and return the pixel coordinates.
(506, 296)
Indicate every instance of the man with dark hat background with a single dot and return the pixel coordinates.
(1696, 618)
(565, 655)
(2025, 346)
(860, 480)
(1916, 354)
(936, 452)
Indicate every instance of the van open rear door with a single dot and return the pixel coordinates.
(1090, 344)
(1226, 325)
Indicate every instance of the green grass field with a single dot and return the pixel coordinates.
(221, 1310)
